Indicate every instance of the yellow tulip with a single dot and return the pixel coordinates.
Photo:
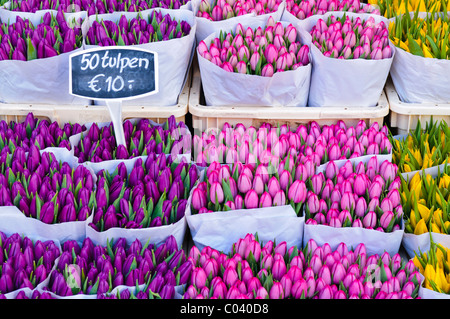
(429, 274)
(441, 281)
(435, 228)
(418, 264)
(421, 227)
(437, 215)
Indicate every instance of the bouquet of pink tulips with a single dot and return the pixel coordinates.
(256, 270)
(308, 141)
(352, 38)
(306, 8)
(361, 195)
(259, 51)
(247, 186)
(218, 10)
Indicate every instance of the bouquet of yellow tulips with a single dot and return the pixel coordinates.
(393, 8)
(422, 148)
(435, 267)
(425, 35)
(425, 203)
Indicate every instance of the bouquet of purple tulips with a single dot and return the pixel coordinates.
(142, 137)
(156, 27)
(95, 270)
(153, 194)
(93, 7)
(21, 40)
(25, 263)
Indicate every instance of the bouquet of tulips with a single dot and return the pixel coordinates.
(89, 269)
(35, 131)
(260, 51)
(424, 200)
(142, 137)
(352, 38)
(139, 30)
(361, 195)
(422, 42)
(296, 9)
(257, 51)
(154, 193)
(393, 8)
(32, 51)
(310, 141)
(221, 10)
(423, 148)
(434, 267)
(25, 263)
(362, 42)
(246, 187)
(23, 41)
(93, 7)
(46, 189)
(256, 270)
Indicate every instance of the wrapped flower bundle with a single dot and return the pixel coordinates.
(361, 195)
(91, 269)
(434, 266)
(267, 143)
(93, 7)
(142, 138)
(252, 186)
(425, 203)
(422, 148)
(25, 263)
(393, 8)
(157, 27)
(154, 193)
(422, 36)
(46, 189)
(352, 38)
(225, 9)
(21, 40)
(260, 51)
(304, 9)
(253, 270)
(35, 131)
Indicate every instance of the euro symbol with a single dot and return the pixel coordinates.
(92, 83)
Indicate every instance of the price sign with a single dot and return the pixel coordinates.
(113, 73)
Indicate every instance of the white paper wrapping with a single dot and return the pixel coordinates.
(376, 242)
(174, 57)
(155, 235)
(60, 232)
(13, 221)
(420, 80)
(415, 243)
(206, 27)
(220, 230)
(42, 81)
(345, 83)
(222, 88)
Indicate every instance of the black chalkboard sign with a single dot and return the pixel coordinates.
(113, 73)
